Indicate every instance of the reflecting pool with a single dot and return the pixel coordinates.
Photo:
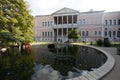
(46, 62)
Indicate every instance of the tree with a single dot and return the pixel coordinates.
(73, 34)
(6, 37)
(15, 18)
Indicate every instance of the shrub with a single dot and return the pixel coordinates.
(107, 43)
(99, 42)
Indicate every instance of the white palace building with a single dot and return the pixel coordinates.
(92, 25)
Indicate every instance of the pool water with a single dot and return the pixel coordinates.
(68, 60)
(43, 62)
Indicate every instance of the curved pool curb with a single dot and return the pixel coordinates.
(101, 71)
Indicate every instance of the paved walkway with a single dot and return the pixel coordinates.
(114, 74)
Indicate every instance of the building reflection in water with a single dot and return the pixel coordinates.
(16, 64)
(65, 58)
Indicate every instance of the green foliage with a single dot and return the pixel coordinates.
(73, 34)
(16, 19)
(99, 42)
(105, 43)
(6, 37)
(16, 65)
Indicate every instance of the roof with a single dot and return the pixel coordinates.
(65, 11)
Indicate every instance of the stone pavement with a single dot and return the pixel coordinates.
(114, 74)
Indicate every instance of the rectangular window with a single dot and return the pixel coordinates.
(45, 33)
(119, 22)
(114, 22)
(42, 33)
(95, 32)
(60, 20)
(43, 24)
(83, 21)
(106, 22)
(51, 33)
(87, 33)
(118, 34)
(83, 33)
(109, 33)
(70, 19)
(114, 33)
(64, 19)
(48, 34)
(105, 33)
(110, 22)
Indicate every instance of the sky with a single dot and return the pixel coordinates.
(46, 7)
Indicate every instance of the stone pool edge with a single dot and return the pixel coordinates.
(97, 73)
(101, 71)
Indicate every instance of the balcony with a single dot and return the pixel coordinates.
(65, 25)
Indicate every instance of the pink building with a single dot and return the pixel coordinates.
(92, 25)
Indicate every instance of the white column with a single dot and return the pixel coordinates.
(62, 34)
(66, 31)
(57, 34)
(112, 35)
(67, 34)
(62, 19)
(72, 19)
(47, 34)
(53, 35)
(67, 19)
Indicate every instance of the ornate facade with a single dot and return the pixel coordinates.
(92, 25)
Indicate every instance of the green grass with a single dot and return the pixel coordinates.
(36, 43)
(114, 44)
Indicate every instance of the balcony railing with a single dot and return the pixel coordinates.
(65, 25)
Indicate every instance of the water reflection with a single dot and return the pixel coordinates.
(69, 59)
(41, 62)
(16, 65)
(45, 73)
